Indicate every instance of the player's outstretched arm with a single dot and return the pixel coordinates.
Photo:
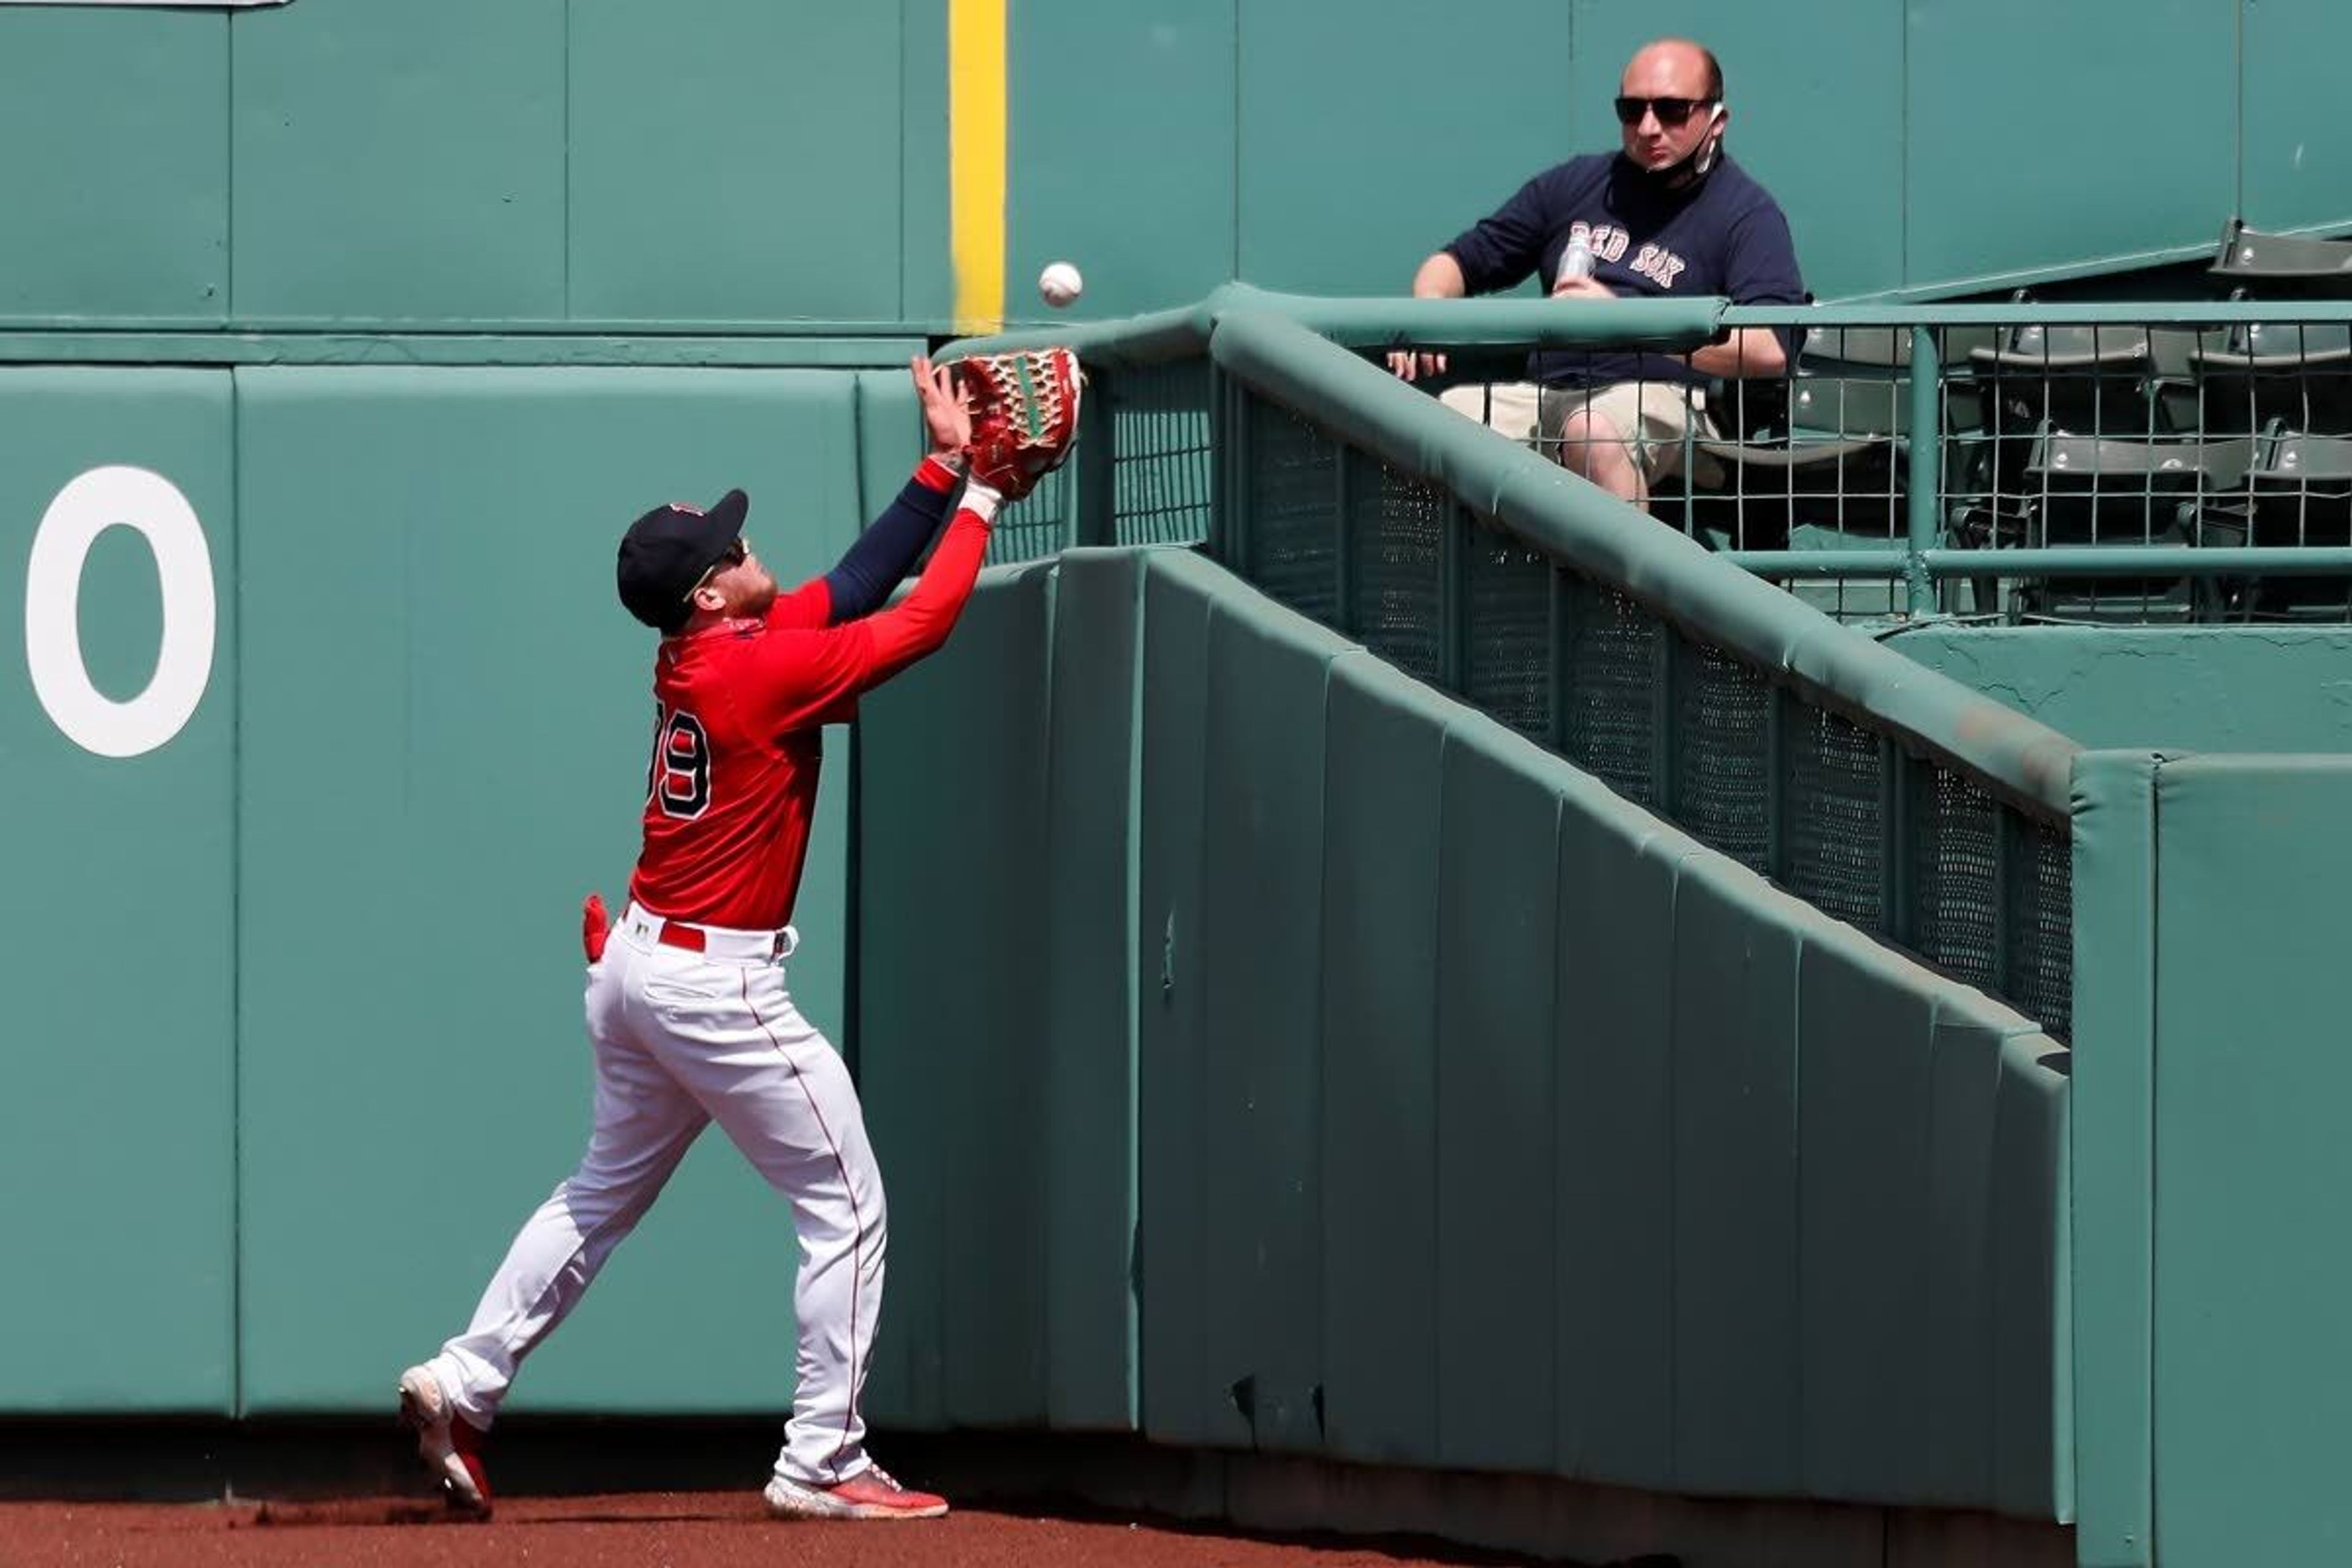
(887, 550)
(890, 546)
(891, 543)
(1023, 418)
(817, 673)
(811, 674)
(918, 624)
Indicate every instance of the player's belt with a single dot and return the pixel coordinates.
(721, 944)
(714, 941)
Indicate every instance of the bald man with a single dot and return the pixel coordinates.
(1668, 216)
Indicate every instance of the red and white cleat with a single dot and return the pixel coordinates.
(450, 1445)
(869, 1494)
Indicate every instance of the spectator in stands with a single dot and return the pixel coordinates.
(1668, 216)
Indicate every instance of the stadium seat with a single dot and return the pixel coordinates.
(1835, 464)
(2294, 373)
(2300, 493)
(1834, 350)
(2093, 490)
(2077, 380)
(2283, 265)
(2123, 380)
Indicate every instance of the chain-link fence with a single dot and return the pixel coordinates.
(1980, 467)
(1836, 807)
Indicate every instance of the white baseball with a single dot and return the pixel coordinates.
(1060, 284)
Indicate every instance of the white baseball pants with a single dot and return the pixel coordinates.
(684, 1038)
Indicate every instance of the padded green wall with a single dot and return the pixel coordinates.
(1479, 1121)
(445, 716)
(1386, 732)
(1501, 1245)
(2210, 1369)
(1092, 991)
(116, 1138)
(306, 1023)
(2207, 689)
(2252, 1377)
(2113, 1160)
(960, 1032)
(1186, 1396)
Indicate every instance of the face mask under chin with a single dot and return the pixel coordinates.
(1690, 169)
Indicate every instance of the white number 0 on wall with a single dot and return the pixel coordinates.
(153, 506)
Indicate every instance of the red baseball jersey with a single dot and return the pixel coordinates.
(737, 742)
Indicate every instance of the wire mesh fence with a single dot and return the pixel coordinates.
(1905, 844)
(1160, 433)
(1974, 461)
(1837, 476)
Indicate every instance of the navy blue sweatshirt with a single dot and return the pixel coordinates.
(1725, 235)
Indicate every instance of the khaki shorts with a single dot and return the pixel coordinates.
(1656, 416)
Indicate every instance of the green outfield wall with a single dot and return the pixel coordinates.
(2204, 689)
(1360, 1081)
(118, 1134)
(2213, 1390)
(296, 1042)
(779, 163)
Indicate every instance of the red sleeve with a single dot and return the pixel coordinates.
(813, 602)
(814, 675)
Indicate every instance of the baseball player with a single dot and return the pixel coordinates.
(686, 1004)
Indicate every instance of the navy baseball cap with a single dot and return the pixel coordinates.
(670, 550)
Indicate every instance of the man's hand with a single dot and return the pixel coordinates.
(1408, 366)
(1439, 277)
(947, 414)
(1581, 289)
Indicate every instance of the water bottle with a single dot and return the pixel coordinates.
(1576, 261)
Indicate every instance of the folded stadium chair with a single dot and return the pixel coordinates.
(2283, 266)
(1889, 348)
(2301, 492)
(2119, 494)
(1835, 463)
(2294, 374)
(2079, 380)
(2123, 380)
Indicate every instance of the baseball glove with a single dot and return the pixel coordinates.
(1025, 414)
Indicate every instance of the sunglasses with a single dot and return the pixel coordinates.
(731, 556)
(1672, 112)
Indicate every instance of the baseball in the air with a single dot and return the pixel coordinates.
(1060, 284)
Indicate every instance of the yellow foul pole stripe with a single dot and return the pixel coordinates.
(976, 161)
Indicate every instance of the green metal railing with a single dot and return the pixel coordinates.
(2030, 443)
(1985, 460)
(1886, 795)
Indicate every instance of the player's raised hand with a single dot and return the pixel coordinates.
(947, 412)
